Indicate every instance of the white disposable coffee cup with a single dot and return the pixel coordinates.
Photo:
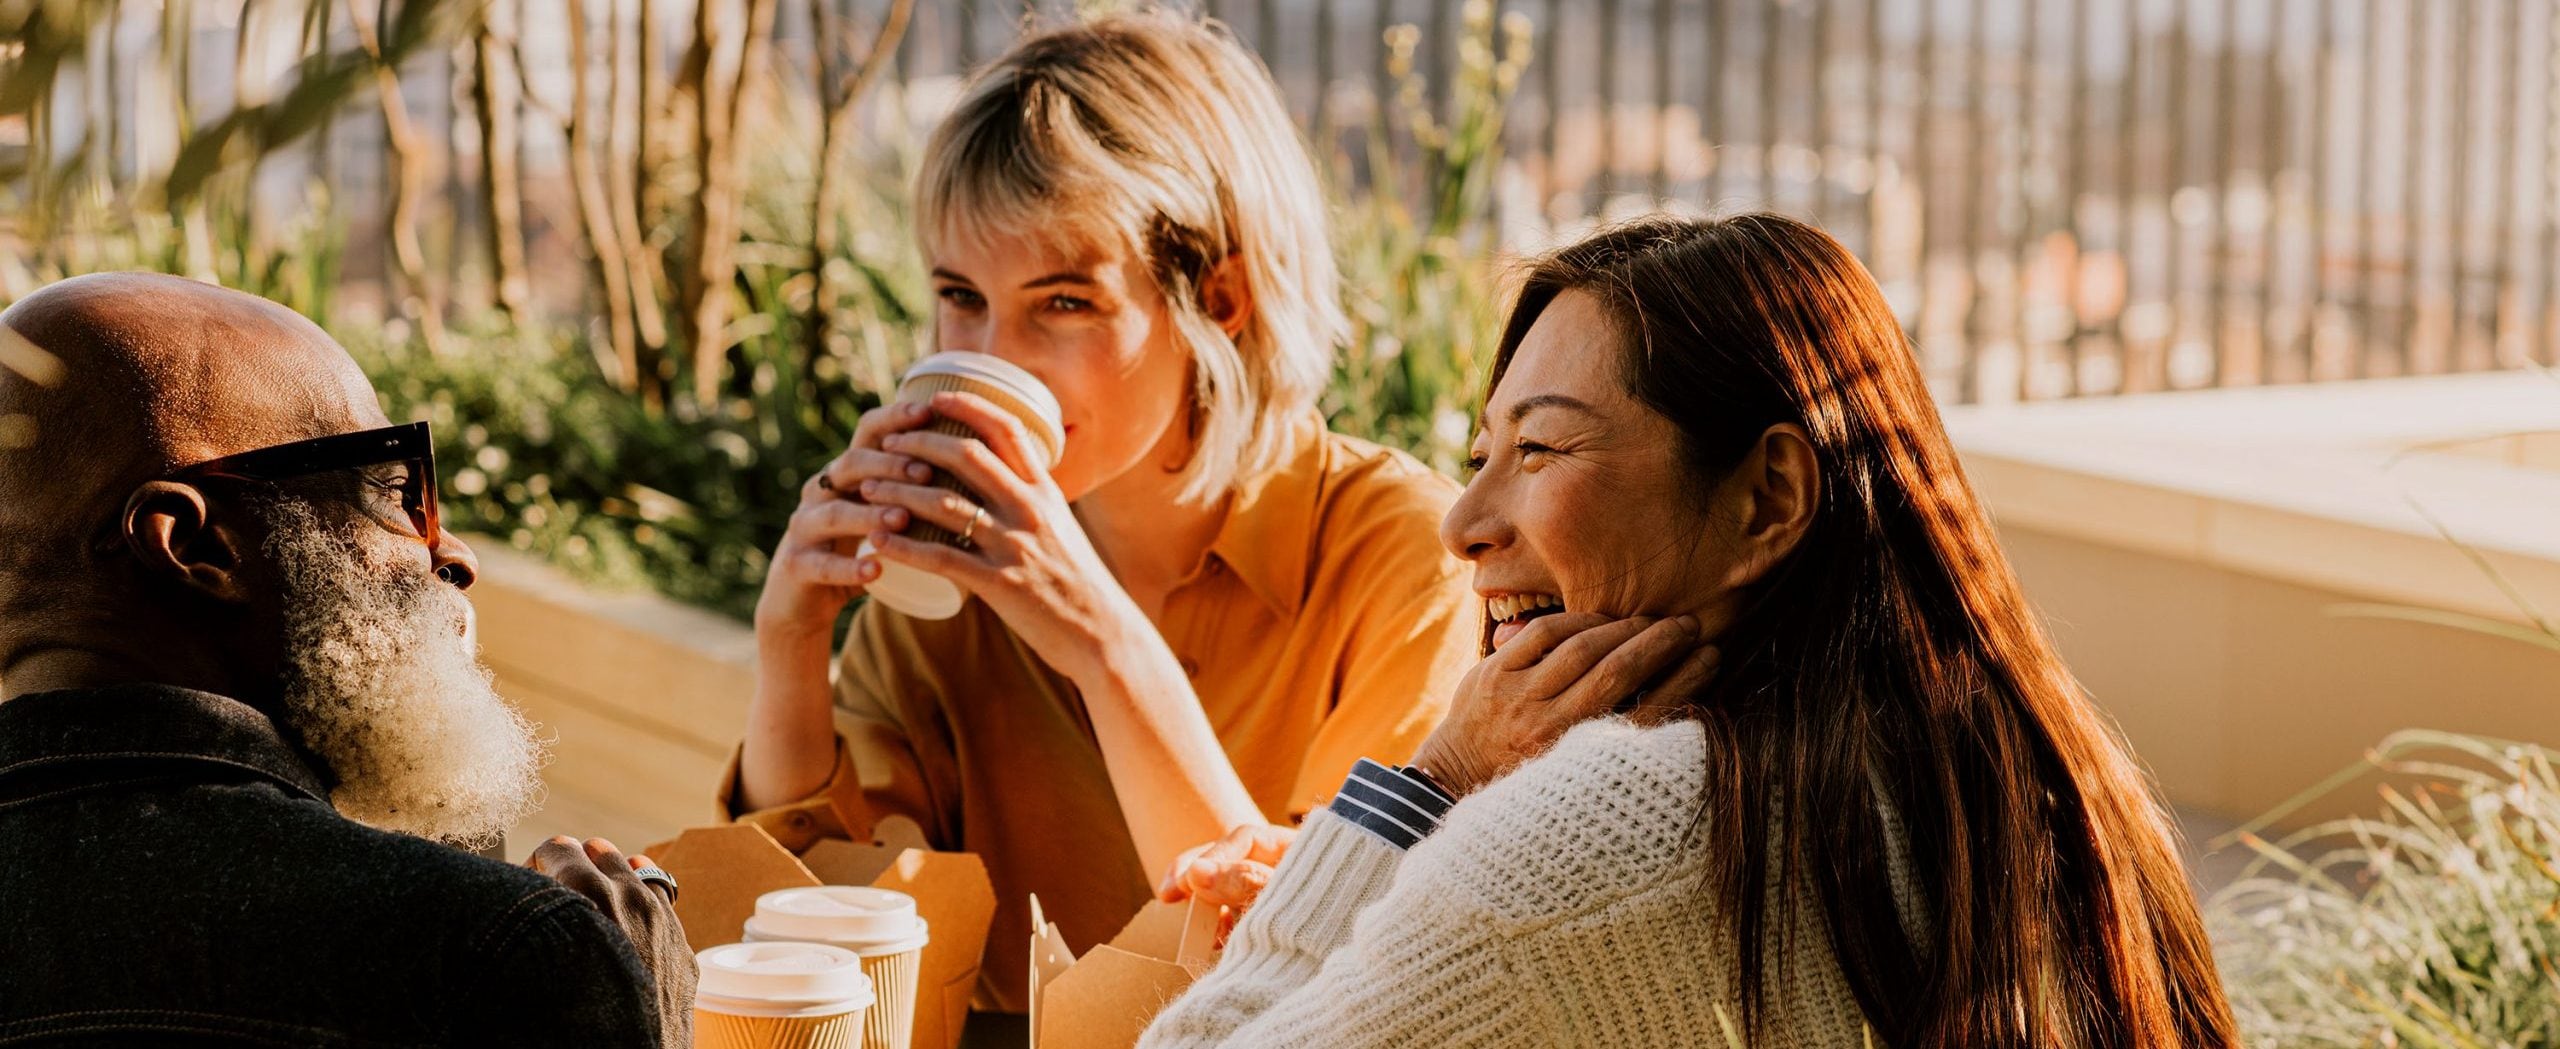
(880, 926)
(919, 593)
(780, 996)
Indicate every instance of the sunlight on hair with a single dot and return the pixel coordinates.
(1159, 134)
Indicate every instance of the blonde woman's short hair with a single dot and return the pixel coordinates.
(1159, 133)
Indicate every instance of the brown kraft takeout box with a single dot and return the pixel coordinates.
(1105, 999)
(724, 868)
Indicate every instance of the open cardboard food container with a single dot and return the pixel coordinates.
(724, 868)
(1105, 999)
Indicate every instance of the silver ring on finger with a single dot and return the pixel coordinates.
(660, 878)
(968, 536)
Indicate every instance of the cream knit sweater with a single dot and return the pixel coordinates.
(1564, 905)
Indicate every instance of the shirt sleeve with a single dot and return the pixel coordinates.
(892, 758)
(1398, 805)
(560, 975)
(1418, 630)
(1340, 952)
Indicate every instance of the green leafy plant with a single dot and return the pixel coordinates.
(1421, 284)
(2434, 923)
(619, 462)
(544, 451)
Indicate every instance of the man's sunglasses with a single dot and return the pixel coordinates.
(405, 445)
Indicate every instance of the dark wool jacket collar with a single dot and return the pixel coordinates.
(74, 738)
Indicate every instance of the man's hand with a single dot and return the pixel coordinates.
(599, 872)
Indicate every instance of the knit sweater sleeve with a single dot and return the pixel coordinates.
(1340, 953)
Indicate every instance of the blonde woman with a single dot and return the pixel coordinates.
(1211, 607)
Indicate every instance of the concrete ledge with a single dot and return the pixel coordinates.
(644, 697)
(2192, 553)
(2340, 486)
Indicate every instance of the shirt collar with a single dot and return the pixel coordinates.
(1269, 535)
(78, 734)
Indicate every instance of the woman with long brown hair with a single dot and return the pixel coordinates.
(1768, 749)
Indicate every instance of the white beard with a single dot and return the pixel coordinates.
(384, 685)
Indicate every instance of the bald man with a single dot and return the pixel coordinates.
(242, 721)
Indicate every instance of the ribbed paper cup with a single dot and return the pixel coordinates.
(1011, 389)
(717, 1030)
(780, 996)
(880, 926)
(891, 1023)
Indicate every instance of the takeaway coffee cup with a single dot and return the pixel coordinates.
(880, 926)
(780, 996)
(920, 593)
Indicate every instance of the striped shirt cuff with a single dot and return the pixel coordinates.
(1393, 804)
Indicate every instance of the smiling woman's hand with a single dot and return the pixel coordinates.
(1561, 670)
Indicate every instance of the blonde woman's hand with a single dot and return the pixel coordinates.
(1028, 557)
(1228, 873)
(1559, 671)
(814, 573)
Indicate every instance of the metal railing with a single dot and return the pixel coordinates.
(2060, 196)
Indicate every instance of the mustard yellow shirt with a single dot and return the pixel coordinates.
(1325, 624)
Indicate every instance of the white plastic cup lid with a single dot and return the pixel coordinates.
(913, 591)
(857, 917)
(785, 973)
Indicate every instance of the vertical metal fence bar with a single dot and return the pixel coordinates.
(2323, 89)
(1976, 187)
(1772, 91)
(1823, 129)
(1549, 32)
(1266, 31)
(1874, 140)
(1711, 108)
(2458, 198)
(1382, 85)
(2023, 239)
(2369, 179)
(2277, 118)
(1608, 114)
(2129, 151)
(1439, 41)
(2175, 265)
(2549, 315)
(2075, 161)
(2415, 147)
(1324, 41)
(1924, 154)
(2217, 239)
(2504, 209)
(1662, 112)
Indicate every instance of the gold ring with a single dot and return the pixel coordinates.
(967, 534)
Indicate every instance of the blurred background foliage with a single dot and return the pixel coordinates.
(2432, 922)
(736, 216)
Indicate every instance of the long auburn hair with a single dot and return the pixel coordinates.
(1892, 653)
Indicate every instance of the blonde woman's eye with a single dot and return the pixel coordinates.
(1069, 304)
(962, 298)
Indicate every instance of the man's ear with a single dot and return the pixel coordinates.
(170, 529)
(1780, 481)
(1226, 295)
